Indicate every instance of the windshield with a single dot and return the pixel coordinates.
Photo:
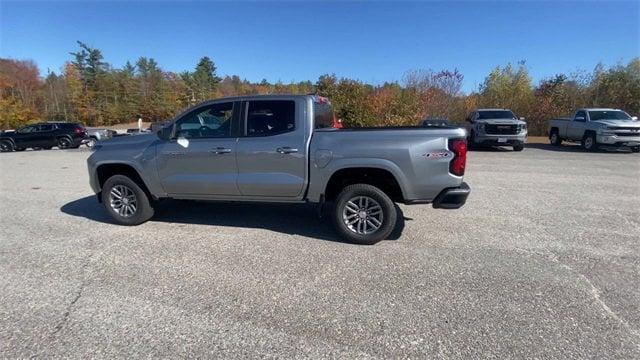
(495, 114)
(608, 115)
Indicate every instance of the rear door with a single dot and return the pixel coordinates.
(200, 157)
(272, 151)
(44, 137)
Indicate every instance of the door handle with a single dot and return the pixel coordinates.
(220, 150)
(286, 150)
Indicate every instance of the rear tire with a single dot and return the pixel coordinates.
(125, 201)
(64, 143)
(518, 147)
(6, 146)
(364, 214)
(589, 142)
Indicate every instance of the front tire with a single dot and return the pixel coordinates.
(364, 214)
(519, 147)
(589, 142)
(554, 138)
(125, 201)
(6, 146)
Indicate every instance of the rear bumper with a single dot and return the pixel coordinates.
(452, 198)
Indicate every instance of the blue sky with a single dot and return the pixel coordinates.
(371, 41)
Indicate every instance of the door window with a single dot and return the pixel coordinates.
(45, 127)
(581, 114)
(28, 129)
(211, 121)
(267, 118)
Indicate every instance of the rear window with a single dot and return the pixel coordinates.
(322, 114)
(270, 117)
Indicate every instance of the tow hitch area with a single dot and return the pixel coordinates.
(452, 198)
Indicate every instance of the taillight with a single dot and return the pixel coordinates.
(336, 123)
(78, 130)
(457, 164)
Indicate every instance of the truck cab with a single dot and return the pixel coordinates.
(496, 127)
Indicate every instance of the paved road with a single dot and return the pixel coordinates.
(544, 261)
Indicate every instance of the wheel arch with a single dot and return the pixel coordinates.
(11, 140)
(380, 177)
(106, 170)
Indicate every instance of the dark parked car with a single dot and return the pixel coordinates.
(64, 135)
(435, 123)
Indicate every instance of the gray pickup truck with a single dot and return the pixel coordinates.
(596, 127)
(496, 127)
(282, 149)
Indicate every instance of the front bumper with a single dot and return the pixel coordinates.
(614, 140)
(452, 198)
(490, 139)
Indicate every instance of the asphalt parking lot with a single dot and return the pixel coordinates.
(543, 261)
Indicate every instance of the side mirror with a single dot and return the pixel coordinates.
(521, 118)
(634, 118)
(469, 120)
(165, 133)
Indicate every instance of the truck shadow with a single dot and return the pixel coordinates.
(575, 148)
(290, 219)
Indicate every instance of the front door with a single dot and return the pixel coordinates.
(24, 137)
(575, 128)
(200, 157)
(272, 153)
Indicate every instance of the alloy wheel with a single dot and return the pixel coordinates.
(123, 201)
(362, 215)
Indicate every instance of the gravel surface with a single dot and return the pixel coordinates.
(543, 261)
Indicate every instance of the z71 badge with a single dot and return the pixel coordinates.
(436, 155)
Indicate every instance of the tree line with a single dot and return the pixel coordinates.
(91, 91)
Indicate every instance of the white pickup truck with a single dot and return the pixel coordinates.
(597, 127)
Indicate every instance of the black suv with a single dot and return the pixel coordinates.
(64, 135)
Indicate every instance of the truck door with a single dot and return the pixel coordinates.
(272, 151)
(575, 128)
(200, 157)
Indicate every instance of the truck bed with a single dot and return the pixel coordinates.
(418, 157)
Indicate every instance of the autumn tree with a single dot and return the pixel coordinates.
(508, 87)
